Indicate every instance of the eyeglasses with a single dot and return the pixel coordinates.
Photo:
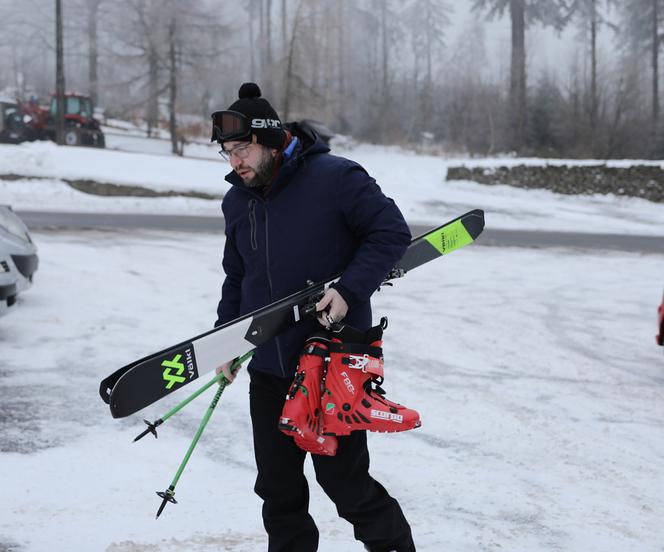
(241, 152)
(229, 125)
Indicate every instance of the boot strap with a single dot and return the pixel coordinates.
(312, 349)
(362, 357)
(368, 364)
(356, 349)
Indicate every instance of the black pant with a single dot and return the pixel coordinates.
(376, 517)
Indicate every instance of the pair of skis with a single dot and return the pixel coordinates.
(149, 379)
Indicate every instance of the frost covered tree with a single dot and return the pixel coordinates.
(93, 49)
(590, 16)
(426, 22)
(641, 30)
(59, 75)
(160, 45)
(523, 13)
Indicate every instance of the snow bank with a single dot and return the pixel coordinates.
(416, 182)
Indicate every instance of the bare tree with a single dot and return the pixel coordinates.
(268, 32)
(59, 76)
(472, 114)
(426, 21)
(251, 10)
(522, 13)
(641, 26)
(93, 55)
(284, 26)
(172, 84)
(590, 18)
(290, 76)
(341, 46)
(381, 32)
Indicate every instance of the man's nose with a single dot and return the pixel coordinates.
(235, 162)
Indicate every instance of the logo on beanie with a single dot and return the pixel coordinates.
(265, 123)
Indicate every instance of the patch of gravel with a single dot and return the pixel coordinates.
(93, 187)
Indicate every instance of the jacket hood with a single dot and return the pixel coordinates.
(309, 138)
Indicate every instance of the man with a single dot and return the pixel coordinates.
(295, 214)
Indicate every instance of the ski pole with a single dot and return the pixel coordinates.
(152, 426)
(169, 494)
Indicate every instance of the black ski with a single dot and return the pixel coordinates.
(151, 378)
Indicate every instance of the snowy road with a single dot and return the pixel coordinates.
(535, 371)
(44, 220)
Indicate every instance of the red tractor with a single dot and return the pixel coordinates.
(81, 128)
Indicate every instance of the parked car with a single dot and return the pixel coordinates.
(17, 248)
(660, 311)
(7, 286)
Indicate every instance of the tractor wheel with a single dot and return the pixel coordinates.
(72, 137)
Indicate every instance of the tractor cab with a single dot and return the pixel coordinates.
(77, 108)
(81, 128)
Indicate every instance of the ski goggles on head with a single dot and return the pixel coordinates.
(230, 125)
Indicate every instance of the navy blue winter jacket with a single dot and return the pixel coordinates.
(323, 215)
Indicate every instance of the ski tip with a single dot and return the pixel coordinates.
(478, 213)
(118, 412)
(473, 222)
(104, 392)
(115, 413)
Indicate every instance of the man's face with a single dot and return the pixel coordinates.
(253, 162)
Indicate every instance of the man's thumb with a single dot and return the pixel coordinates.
(324, 302)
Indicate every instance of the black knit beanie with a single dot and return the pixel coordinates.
(265, 122)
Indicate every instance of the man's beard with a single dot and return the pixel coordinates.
(263, 172)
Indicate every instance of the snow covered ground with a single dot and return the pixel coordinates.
(416, 182)
(535, 372)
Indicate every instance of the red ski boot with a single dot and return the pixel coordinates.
(301, 415)
(352, 398)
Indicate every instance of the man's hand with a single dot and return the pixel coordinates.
(331, 308)
(226, 370)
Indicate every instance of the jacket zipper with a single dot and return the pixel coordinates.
(269, 282)
(252, 221)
